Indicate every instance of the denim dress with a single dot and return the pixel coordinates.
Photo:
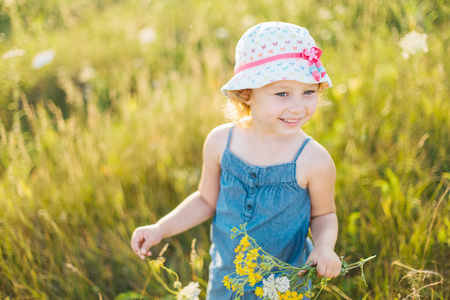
(277, 212)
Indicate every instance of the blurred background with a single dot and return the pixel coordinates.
(105, 104)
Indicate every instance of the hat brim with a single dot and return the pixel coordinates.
(286, 69)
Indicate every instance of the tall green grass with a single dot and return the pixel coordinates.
(109, 135)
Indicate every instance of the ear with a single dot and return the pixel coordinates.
(246, 94)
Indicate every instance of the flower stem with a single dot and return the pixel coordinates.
(159, 279)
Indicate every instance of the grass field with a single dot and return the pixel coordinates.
(104, 132)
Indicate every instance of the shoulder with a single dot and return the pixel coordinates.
(321, 178)
(218, 137)
(317, 161)
(216, 141)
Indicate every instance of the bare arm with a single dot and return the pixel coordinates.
(195, 209)
(192, 211)
(324, 223)
(324, 230)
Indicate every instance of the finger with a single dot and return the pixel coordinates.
(321, 270)
(146, 247)
(337, 272)
(136, 243)
(311, 263)
(146, 252)
(333, 272)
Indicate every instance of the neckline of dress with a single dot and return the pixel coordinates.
(256, 166)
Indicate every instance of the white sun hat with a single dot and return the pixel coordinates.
(275, 51)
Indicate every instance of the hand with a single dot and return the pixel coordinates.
(326, 261)
(145, 237)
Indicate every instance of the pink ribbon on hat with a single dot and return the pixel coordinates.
(312, 56)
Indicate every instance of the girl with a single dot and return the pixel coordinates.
(263, 169)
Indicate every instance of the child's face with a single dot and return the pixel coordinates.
(283, 107)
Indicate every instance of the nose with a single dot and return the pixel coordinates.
(297, 105)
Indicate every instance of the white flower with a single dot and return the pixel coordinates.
(190, 292)
(272, 286)
(177, 285)
(269, 288)
(413, 43)
(282, 284)
(13, 53)
(147, 36)
(43, 58)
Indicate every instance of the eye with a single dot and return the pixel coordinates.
(282, 94)
(310, 92)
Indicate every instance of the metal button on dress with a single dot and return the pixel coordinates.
(249, 206)
(250, 191)
(253, 175)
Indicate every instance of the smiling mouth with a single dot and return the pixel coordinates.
(290, 121)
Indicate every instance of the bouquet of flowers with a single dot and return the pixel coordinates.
(280, 280)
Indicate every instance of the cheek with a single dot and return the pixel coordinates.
(312, 107)
(266, 107)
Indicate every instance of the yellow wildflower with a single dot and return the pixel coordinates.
(250, 268)
(252, 254)
(159, 262)
(291, 296)
(238, 248)
(239, 258)
(244, 243)
(251, 264)
(227, 282)
(259, 292)
(253, 278)
(240, 271)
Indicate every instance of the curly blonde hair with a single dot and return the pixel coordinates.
(238, 108)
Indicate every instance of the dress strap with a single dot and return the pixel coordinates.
(301, 148)
(229, 135)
